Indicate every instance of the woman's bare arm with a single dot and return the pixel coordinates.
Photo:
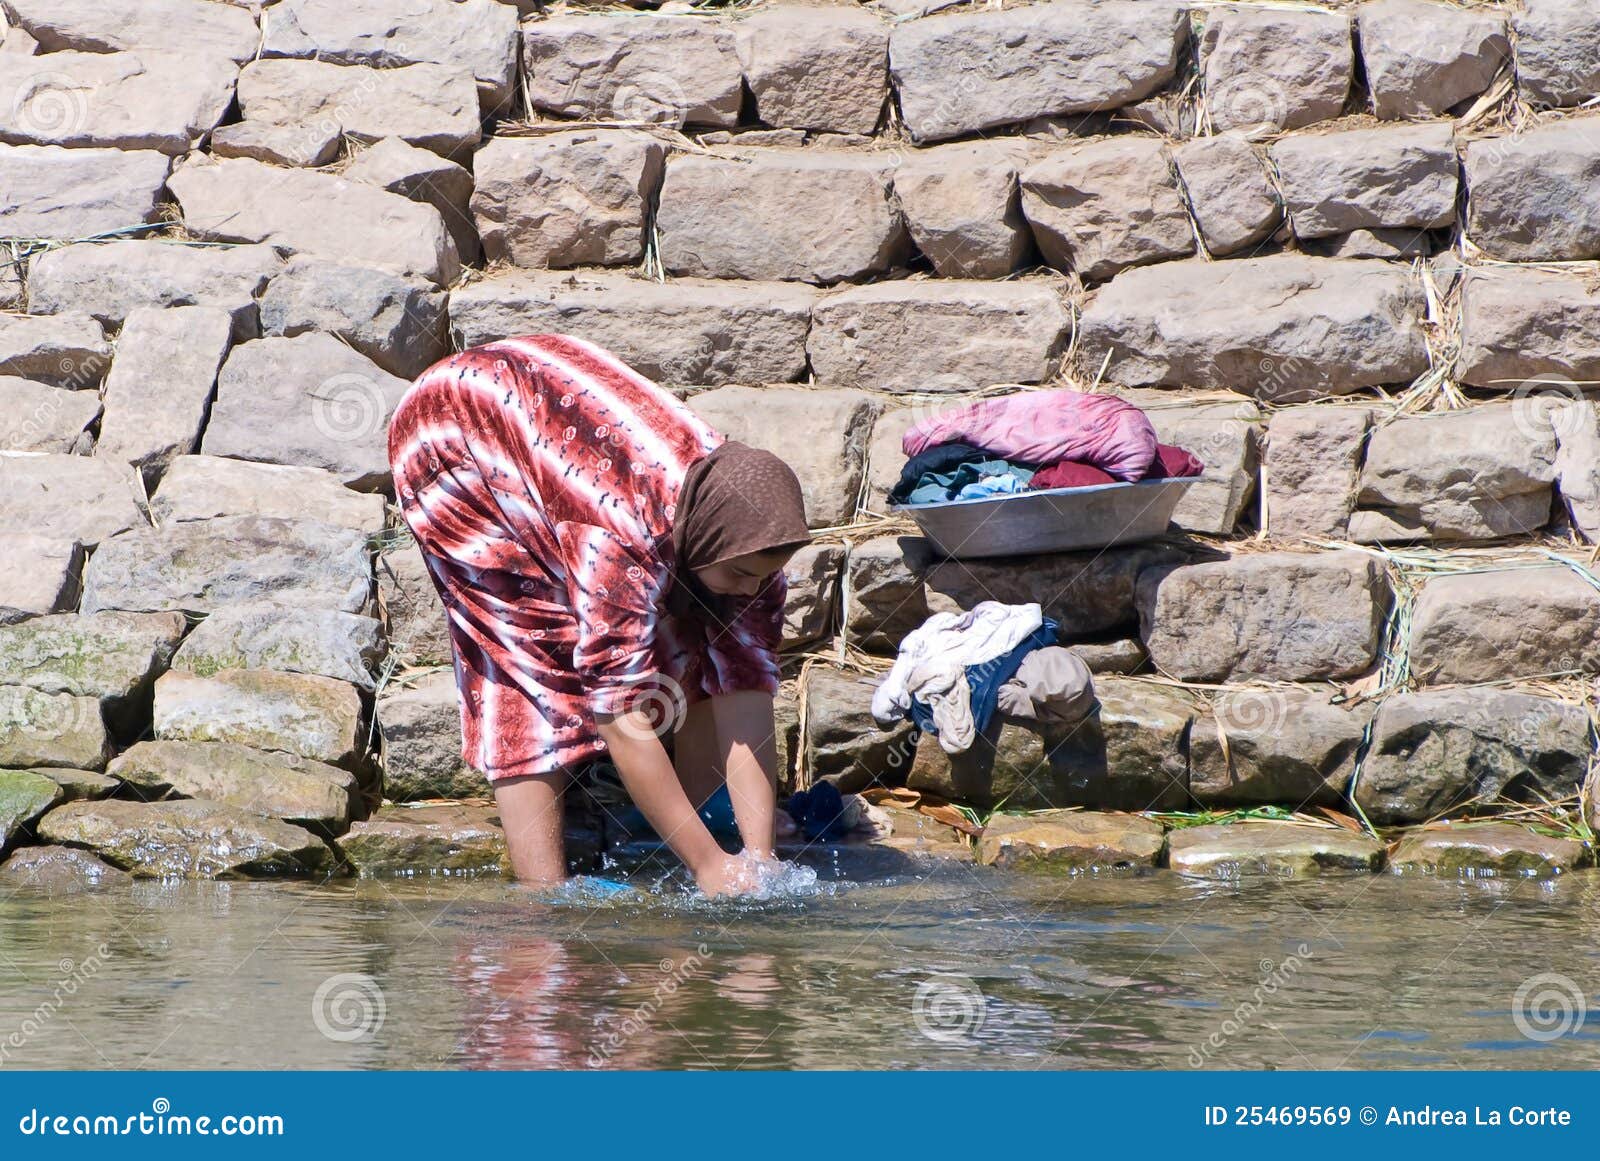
(747, 737)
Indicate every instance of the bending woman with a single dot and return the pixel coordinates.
(610, 568)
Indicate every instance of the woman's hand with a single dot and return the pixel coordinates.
(731, 875)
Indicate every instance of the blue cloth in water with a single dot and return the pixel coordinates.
(716, 813)
(984, 681)
(818, 812)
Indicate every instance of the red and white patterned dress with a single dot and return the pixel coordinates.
(539, 476)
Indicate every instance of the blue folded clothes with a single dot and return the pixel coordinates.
(984, 681)
(716, 813)
(819, 812)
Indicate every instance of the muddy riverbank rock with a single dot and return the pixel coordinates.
(421, 724)
(51, 729)
(426, 840)
(314, 717)
(1131, 752)
(1438, 751)
(187, 839)
(1472, 850)
(689, 331)
(1071, 841)
(1285, 328)
(79, 785)
(1272, 616)
(843, 743)
(24, 797)
(1281, 849)
(415, 628)
(199, 566)
(320, 642)
(58, 870)
(299, 790)
(954, 74)
(112, 656)
(1515, 623)
(1275, 745)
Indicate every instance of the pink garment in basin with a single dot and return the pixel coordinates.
(1045, 427)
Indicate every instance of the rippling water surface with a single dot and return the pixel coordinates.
(886, 963)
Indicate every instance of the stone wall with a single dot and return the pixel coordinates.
(1344, 253)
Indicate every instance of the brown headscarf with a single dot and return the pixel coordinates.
(736, 501)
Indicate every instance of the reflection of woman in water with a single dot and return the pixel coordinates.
(609, 566)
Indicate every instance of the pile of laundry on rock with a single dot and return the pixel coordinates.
(1032, 440)
(955, 671)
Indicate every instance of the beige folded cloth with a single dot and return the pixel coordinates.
(1052, 686)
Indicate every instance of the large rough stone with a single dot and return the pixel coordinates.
(843, 744)
(885, 456)
(310, 144)
(187, 839)
(957, 74)
(1525, 622)
(1535, 196)
(1520, 324)
(423, 176)
(58, 871)
(24, 796)
(1313, 461)
(125, 100)
(396, 321)
(240, 200)
(43, 577)
(821, 434)
(813, 576)
(1234, 202)
(1285, 328)
(1226, 440)
(1006, 765)
(79, 785)
(67, 497)
(884, 596)
(1396, 177)
(1486, 848)
(421, 725)
(414, 617)
(426, 840)
(314, 717)
(1283, 745)
(566, 199)
(429, 106)
(805, 214)
(1283, 849)
(309, 401)
(1448, 750)
(1132, 752)
(297, 790)
(190, 26)
(1577, 427)
(158, 393)
(1271, 616)
(1474, 474)
(960, 203)
(203, 487)
(688, 331)
(57, 193)
(938, 334)
(475, 37)
(1103, 207)
(823, 69)
(203, 565)
(1422, 58)
(321, 642)
(678, 70)
(35, 417)
(1072, 841)
(113, 657)
(1558, 51)
(51, 729)
(63, 350)
(1275, 69)
(110, 280)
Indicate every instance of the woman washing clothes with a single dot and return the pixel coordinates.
(611, 568)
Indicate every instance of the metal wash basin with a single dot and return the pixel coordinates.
(1051, 519)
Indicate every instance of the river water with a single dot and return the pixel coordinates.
(888, 963)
